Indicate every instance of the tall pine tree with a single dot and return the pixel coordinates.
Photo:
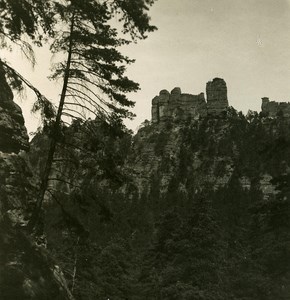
(93, 71)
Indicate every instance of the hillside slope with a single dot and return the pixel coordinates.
(196, 205)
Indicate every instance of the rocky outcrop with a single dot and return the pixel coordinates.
(274, 109)
(26, 269)
(176, 106)
(216, 94)
(15, 185)
(13, 134)
(215, 150)
(16, 189)
(225, 168)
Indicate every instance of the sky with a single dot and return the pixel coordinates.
(245, 42)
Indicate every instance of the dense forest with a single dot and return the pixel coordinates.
(195, 205)
(211, 222)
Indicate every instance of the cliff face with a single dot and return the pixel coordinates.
(273, 108)
(176, 106)
(13, 134)
(217, 100)
(26, 270)
(15, 180)
(194, 206)
(203, 130)
(195, 142)
(208, 152)
(181, 125)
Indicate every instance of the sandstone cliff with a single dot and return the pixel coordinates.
(26, 269)
(274, 109)
(203, 129)
(13, 134)
(176, 106)
(198, 187)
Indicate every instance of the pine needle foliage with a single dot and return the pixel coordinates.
(93, 71)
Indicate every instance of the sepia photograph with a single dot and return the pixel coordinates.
(144, 149)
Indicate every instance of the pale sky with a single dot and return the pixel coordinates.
(245, 42)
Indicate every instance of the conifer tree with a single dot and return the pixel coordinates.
(93, 72)
(24, 23)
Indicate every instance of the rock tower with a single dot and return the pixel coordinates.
(178, 106)
(216, 95)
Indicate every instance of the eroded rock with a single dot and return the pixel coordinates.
(273, 109)
(177, 106)
(26, 269)
(13, 134)
(216, 94)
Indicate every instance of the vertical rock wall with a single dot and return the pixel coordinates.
(13, 134)
(176, 106)
(26, 269)
(273, 108)
(216, 95)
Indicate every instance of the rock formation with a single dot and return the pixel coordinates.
(219, 173)
(177, 106)
(26, 270)
(13, 134)
(273, 108)
(14, 173)
(216, 94)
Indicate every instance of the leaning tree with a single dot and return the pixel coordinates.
(89, 34)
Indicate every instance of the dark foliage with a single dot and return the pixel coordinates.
(195, 240)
